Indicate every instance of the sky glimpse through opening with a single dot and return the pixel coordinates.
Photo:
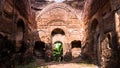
(58, 1)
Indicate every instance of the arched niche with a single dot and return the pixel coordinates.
(76, 44)
(20, 30)
(94, 25)
(76, 48)
(95, 33)
(39, 49)
(20, 33)
(94, 30)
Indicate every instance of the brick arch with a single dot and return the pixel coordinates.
(63, 28)
(61, 22)
(57, 31)
(61, 7)
(57, 34)
(57, 5)
(57, 12)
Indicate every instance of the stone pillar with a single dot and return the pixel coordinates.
(117, 20)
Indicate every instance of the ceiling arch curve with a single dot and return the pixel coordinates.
(50, 7)
(57, 22)
(57, 11)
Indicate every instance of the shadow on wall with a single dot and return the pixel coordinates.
(39, 49)
(15, 43)
(110, 51)
(103, 46)
(15, 51)
(113, 50)
(90, 49)
(76, 44)
(7, 49)
(43, 51)
(20, 34)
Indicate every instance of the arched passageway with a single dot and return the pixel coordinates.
(58, 35)
(20, 34)
(58, 42)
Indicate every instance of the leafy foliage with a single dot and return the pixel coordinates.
(58, 51)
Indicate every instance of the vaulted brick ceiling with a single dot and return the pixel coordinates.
(92, 6)
(89, 7)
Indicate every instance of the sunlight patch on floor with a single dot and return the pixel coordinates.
(70, 65)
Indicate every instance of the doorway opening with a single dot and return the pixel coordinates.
(58, 51)
(95, 40)
(58, 40)
(76, 44)
(20, 34)
(76, 48)
(39, 49)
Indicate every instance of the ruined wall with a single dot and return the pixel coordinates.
(102, 42)
(15, 23)
(109, 36)
(97, 26)
(65, 16)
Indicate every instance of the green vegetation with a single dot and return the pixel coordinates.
(58, 51)
(30, 65)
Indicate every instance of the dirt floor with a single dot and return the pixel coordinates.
(72, 64)
(76, 63)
